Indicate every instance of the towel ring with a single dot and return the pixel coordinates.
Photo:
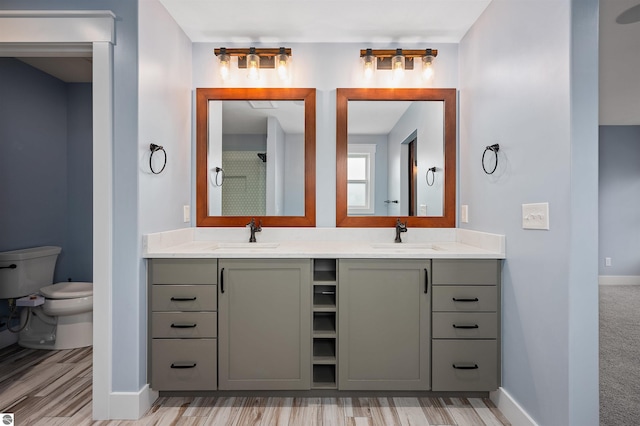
(493, 148)
(433, 175)
(219, 171)
(155, 148)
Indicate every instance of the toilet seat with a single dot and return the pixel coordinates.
(67, 290)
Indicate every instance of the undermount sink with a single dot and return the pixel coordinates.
(405, 246)
(236, 246)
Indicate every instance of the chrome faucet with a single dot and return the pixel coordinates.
(400, 227)
(254, 229)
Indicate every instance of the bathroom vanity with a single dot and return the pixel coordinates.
(331, 313)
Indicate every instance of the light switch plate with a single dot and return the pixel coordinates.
(535, 216)
(186, 213)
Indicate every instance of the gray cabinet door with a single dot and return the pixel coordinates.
(264, 334)
(384, 324)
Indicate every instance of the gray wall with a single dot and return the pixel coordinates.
(46, 167)
(619, 190)
(522, 85)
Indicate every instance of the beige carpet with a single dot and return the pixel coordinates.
(619, 355)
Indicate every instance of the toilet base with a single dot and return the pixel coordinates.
(55, 333)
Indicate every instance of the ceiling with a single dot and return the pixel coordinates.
(373, 21)
(325, 21)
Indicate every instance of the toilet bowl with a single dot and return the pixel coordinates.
(64, 321)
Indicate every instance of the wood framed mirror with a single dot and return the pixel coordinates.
(420, 181)
(266, 141)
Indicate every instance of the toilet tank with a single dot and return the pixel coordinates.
(24, 272)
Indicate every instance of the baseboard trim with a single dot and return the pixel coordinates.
(7, 338)
(619, 280)
(131, 405)
(511, 409)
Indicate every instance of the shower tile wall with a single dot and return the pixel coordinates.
(244, 188)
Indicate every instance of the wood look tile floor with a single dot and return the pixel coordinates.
(54, 388)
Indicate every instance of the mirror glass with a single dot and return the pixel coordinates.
(254, 150)
(395, 157)
(256, 158)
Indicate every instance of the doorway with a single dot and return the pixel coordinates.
(92, 34)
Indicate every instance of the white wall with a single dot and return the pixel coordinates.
(522, 86)
(164, 115)
(325, 67)
(275, 167)
(294, 175)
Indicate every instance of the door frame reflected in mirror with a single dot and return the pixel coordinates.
(203, 96)
(448, 96)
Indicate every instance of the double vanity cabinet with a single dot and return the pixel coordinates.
(348, 324)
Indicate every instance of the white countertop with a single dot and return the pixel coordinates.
(418, 243)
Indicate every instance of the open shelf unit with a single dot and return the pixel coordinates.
(325, 316)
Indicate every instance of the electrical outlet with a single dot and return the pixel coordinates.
(535, 216)
(464, 213)
(607, 261)
(186, 213)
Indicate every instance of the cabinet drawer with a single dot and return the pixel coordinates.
(184, 271)
(467, 298)
(463, 325)
(464, 365)
(184, 364)
(184, 325)
(465, 272)
(184, 298)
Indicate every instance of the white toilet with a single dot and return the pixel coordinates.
(58, 316)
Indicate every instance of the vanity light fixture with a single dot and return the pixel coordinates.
(427, 64)
(225, 63)
(397, 65)
(253, 59)
(253, 64)
(368, 64)
(282, 60)
(397, 60)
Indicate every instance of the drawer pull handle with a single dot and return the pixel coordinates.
(183, 365)
(222, 280)
(12, 266)
(183, 299)
(465, 367)
(465, 326)
(426, 281)
(463, 299)
(192, 325)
